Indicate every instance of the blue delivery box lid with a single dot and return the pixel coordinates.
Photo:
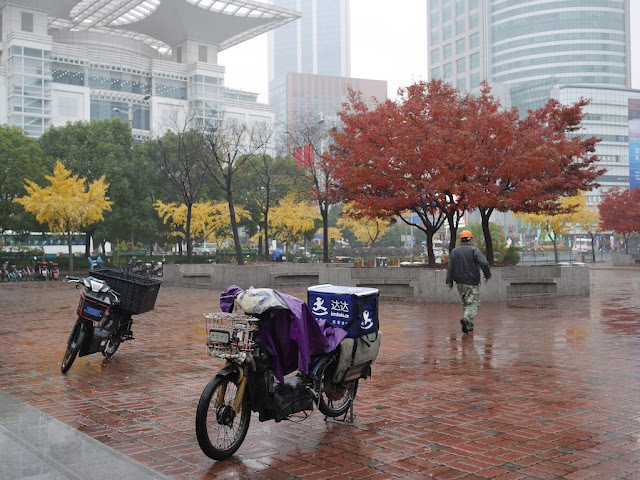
(353, 308)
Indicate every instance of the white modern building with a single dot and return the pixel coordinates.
(151, 62)
(533, 50)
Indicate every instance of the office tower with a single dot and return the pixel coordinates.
(310, 62)
(151, 62)
(530, 51)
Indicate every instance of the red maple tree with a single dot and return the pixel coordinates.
(405, 157)
(437, 153)
(620, 212)
(526, 165)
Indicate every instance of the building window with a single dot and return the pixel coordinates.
(474, 21)
(473, 4)
(448, 70)
(474, 40)
(461, 84)
(446, 33)
(474, 61)
(460, 26)
(435, 72)
(435, 19)
(460, 46)
(461, 65)
(459, 8)
(27, 22)
(475, 80)
(202, 53)
(447, 51)
(435, 55)
(435, 37)
(446, 14)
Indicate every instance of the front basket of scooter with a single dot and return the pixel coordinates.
(230, 333)
(137, 293)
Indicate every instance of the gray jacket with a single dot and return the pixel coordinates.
(464, 265)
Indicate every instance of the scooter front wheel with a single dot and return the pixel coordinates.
(73, 347)
(111, 347)
(219, 429)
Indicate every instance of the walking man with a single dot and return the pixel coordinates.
(463, 268)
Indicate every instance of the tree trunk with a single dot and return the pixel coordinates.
(485, 214)
(187, 235)
(69, 236)
(430, 256)
(234, 227)
(324, 211)
(266, 236)
(555, 247)
(453, 230)
(430, 232)
(87, 241)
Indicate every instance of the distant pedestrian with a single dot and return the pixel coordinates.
(463, 268)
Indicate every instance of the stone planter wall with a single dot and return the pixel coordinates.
(410, 284)
(625, 260)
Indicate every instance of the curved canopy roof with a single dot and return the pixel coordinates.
(163, 24)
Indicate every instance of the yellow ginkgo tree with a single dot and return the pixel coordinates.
(209, 220)
(556, 226)
(291, 219)
(367, 230)
(67, 206)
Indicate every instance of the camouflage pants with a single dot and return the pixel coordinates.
(470, 296)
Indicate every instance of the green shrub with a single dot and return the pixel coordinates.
(511, 254)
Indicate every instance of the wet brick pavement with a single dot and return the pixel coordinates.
(542, 390)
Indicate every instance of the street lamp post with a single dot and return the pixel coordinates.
(130, 112)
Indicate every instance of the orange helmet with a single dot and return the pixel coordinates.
(466, 234)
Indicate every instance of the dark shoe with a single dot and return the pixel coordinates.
(464, 326)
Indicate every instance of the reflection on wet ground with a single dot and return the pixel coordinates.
(541, 390)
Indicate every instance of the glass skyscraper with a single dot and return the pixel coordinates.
(533, 50)
(528, 41)
(316, 44)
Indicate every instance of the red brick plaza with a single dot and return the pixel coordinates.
(541, 390)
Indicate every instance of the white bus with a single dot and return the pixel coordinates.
(51, 245)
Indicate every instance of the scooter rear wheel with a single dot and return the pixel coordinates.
(335, 399)
(220, 430)
(73, 347)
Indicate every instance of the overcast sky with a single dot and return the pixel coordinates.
(386, 44)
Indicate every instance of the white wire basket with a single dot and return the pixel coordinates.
(230, 334)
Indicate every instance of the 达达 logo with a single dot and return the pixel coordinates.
(319, 308)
